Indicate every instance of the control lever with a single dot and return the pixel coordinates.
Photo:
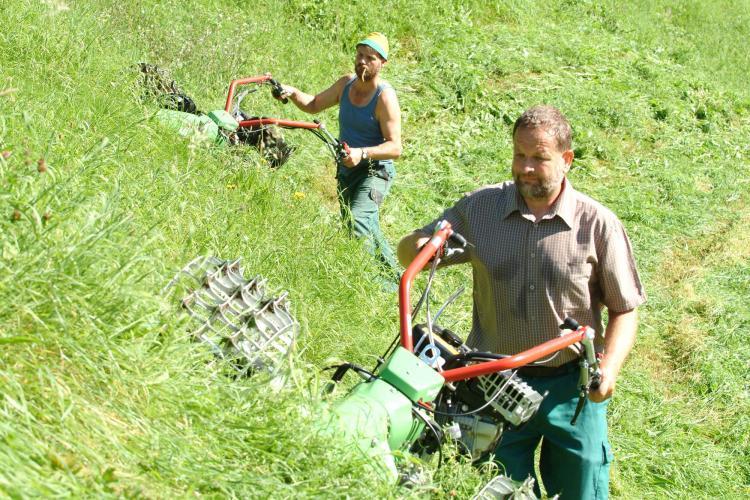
(340, 149)
(590, 375)
(458, 240)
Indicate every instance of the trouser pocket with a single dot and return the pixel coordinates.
(376, 195)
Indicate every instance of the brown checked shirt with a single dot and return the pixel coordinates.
(529, 276)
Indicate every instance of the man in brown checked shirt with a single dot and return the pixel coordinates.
(540, 252)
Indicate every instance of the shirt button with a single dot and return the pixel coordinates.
(531, 287)
(533, 255)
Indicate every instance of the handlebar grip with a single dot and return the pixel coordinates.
(458, 239)
(570, 324)
(344, 150)
(276, 91)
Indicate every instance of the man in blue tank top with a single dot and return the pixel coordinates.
(370, 124)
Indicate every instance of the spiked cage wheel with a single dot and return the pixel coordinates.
(236, 317)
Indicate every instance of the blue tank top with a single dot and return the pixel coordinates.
(358, 126)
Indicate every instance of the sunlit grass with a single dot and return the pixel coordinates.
(103, 394)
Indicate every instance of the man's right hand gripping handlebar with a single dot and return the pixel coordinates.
(445, 251)
(343, 150)
(278, 91)
(436, 247)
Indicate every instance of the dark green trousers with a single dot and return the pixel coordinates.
(575, 459)
(360, 198)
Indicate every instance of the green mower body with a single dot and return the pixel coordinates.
(201, 128)
(378, 414)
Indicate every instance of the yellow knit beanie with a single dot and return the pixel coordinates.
(377, 41)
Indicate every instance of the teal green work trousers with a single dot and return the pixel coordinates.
(574, 461)
(360, 196)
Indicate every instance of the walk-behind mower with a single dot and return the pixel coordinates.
(231, 125)
(427, 388)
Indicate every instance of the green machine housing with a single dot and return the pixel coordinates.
(377, 414)
(203, 128)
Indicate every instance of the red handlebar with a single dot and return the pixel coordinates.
(278, 121)
(243, 81)
(262, 121)
(428, 251)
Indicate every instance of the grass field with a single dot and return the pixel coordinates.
(103, 394)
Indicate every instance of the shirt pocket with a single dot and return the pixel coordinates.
(575, 291)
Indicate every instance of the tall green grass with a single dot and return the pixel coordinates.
(101, 391)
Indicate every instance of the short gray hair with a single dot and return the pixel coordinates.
(549, 118)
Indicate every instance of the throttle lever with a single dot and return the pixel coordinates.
(596, 376)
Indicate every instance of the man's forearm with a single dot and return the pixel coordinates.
(618, 341)
(389, 150)
(409, 246)
(303, 101)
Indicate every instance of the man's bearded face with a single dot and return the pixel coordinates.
(539, 186)
(538, 164)
(367, 63)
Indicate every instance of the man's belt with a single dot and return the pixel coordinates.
(377, 169)
(548, 371)
(373, 168)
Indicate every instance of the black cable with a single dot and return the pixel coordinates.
(477, 410)
(445, 414)
(426, 292)
(396, 339)
(386, 354)
(434, 431)
(448, 302)
(331, 147)
(343, 367)
(473, 355)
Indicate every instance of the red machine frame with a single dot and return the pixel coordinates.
(263, 121)
(339, 150)
(430, 249)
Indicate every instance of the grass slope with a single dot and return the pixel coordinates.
(101, 392)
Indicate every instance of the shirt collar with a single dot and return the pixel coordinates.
(513, 203)
(564, 207)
